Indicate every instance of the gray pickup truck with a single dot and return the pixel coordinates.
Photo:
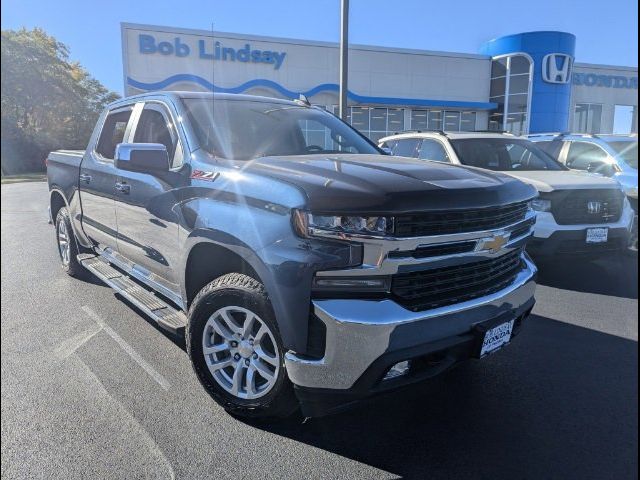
(304, 266)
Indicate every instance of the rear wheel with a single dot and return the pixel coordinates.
(236, 350)
(67, 245)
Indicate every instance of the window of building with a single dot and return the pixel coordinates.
(510, 84)
(625, 119)
(433, 150)
(468, 121)
(452, 121)
(587, 118)
(419, 119)
(113, 131)
(395, 120)
(378, 122)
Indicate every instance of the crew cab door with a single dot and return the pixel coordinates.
(146, 203)
(98, 176)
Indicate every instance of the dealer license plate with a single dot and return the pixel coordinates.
(597, 235)
(496, 337)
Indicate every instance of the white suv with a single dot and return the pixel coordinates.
(578, 212)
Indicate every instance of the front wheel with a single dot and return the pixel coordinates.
(236, 349)
(67, 245)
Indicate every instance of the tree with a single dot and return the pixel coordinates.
(48, 102)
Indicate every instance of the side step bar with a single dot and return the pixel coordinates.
(168, 317)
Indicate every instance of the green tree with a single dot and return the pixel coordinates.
(48, 102)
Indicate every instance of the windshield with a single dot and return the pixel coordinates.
(503, 154)
(628, 151)
(245, 129)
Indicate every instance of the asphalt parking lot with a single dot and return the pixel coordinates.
(90, 388)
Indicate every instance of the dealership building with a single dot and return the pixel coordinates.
(523, 83)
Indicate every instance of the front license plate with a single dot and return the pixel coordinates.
(597, 235)
(496, 337)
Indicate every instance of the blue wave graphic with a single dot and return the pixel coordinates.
(324, 87)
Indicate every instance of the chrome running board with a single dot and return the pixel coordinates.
(167, 316)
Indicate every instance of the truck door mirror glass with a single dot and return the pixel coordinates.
(142, 157)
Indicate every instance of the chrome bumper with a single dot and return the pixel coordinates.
(360, 331)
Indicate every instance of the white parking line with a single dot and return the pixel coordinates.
(153, 373)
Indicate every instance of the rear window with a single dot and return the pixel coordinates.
(112, 133)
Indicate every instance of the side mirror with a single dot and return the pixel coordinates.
(142, 157)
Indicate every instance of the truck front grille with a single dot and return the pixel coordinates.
(459, 221)
(587, 206)
(449, 285)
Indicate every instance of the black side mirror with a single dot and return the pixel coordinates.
(142, 157)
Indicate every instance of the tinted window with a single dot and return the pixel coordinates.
(154, 127)
(628, 151)
(552, 147)
(503, 154)
(112, 133)
(585, 156)
(433, 150)
(388, 146)
(245, 129)
(406, 147)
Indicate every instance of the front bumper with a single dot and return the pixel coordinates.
(365, 337)
(550, 238)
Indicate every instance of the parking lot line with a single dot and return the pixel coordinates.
(153, 373)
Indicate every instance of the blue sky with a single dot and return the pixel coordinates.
(607, 31)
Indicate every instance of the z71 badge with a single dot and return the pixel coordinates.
(202, 175)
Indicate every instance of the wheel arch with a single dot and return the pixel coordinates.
(56, 202)
(208, 260)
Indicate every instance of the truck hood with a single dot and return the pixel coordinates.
(382, 184)
(550, 181)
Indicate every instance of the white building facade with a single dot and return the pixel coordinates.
(506, 87)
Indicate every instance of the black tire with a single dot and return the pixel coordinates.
(235, 289)
(71, 266)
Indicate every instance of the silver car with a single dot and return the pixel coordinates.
(614, 156)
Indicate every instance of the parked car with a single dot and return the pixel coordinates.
(304, 268)
(578, 213)
(614, 156)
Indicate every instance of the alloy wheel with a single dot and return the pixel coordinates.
(241, 352)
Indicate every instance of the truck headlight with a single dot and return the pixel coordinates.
(541, 205)
(306, 223)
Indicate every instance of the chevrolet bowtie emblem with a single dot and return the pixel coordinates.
(495, 243)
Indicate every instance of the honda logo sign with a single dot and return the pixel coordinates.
(556, 68)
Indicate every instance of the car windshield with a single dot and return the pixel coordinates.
(503, 154)
(245, 129)
(628, 151)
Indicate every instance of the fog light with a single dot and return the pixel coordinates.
(399, 369)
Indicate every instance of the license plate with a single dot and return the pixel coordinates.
(496, 337)
(597, 235)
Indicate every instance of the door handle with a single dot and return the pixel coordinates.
(84, 178)
(123, 187)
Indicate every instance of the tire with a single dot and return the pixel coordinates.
(243, 368)
(67, 244)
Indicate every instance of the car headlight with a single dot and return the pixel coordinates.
(541, 205)
(306, 223)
